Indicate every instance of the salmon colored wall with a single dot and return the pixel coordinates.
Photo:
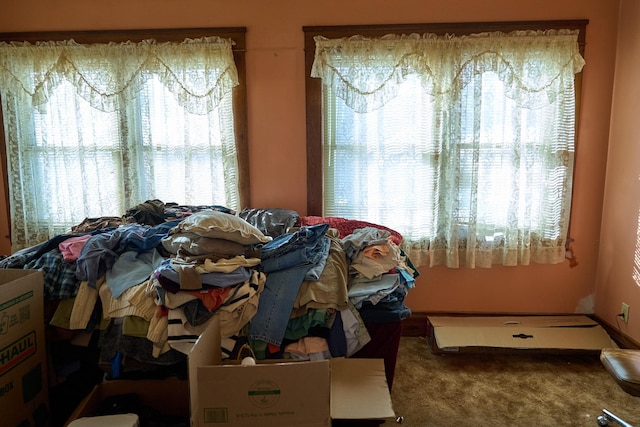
(275, 89)
(619, 238)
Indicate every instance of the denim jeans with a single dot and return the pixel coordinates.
(286, 261)
(291, 241)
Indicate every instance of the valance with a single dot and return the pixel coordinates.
(446, 64)
(199, 72)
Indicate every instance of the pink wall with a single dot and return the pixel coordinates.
(619, 242)
(275, 88)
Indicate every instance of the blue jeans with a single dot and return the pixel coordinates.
(285, 261)
(292, 241)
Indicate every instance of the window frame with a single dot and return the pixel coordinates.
(239, 95)
(313, 86)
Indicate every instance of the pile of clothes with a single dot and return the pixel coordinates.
(282, 285)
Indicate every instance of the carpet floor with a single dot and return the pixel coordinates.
(499, 388)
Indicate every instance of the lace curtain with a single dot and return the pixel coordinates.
(92, 130)
(464, 144)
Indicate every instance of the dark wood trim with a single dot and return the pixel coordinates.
(237, 34)
(313, 94)
(241, 123)
(415, 325)
(313, 87)
(453, 28)
(616, 334)
(5, 175)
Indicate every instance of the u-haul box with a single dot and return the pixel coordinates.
(24, 396)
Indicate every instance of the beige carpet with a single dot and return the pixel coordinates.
(504, 389)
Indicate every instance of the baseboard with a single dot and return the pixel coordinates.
(616, 334)
(416, 325)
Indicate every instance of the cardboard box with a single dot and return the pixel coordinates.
(562, 333)
(270, 393)
(24, 391)
(284, 393)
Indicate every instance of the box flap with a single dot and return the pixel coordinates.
(206, 351)
(12, 274)
(359, 389)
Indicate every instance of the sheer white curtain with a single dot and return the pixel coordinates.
(464, 144)
(92, 130)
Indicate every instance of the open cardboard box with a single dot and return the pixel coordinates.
(547, 333)
(283, 393)
(269, 394)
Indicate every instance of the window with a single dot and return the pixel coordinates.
(461, 137)
(97, 123)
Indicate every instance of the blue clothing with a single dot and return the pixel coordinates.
(389, 309)
(285, 260)
(147, 238)
(291, 241)
(59, 276)
(130, 269)
(100, 252)
(214, 278)
(316, 270)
